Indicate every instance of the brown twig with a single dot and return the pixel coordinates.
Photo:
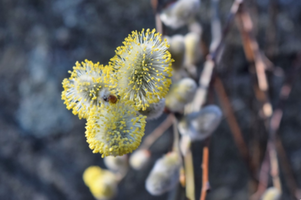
(263, 178)
(254, 55)
(271, 47)
(152, 137)
(287, 170)
(159, 25)
(274, 127)
(205, 167)
(233, 124)
(206, 76)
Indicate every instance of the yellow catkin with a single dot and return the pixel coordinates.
(102, 183)
(143, 68)
(115, 130)
(88, 86)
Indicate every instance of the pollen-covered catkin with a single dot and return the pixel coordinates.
(115, 130)
(88, 87)
(143, 68)
(164, 175)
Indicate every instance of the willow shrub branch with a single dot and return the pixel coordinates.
(205, 167)
(158, 132)
(253, 55)
(233, 124)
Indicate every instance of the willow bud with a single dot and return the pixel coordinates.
(192, 47)
(177, 50)
(118, 164)
(180, 13)
(199, 125)
(180, 94)
(164, 175)
(154, 110)
(139, 159)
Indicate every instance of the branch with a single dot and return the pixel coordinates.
(253, 55)
(233, 124)
(158, 132)
(206, 76)
(189, 174)
(205, 167)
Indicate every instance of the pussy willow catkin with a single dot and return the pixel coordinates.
(143, 68)
(88, 87)
(115, 130)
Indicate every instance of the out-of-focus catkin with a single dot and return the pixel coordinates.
(154, 110)
(199, 125)
(118, 164)
(271, 193)
(180, 94)
(139, 158)
(177, 50)
(102, 183)
(180, 13)
(164, 175)
(192, 49)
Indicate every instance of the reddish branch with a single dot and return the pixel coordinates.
(205, 167)
(233, 124)
(272, 119)
(274, 127)
(254, 55)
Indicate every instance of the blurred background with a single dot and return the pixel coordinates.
(43, 150)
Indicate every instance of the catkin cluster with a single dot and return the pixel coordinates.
(115, 98)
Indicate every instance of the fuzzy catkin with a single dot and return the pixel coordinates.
(180, 94)
(180, 13)
(164, 175)
(115, 130)
(88, 87)
(143, 68)
(199, 125)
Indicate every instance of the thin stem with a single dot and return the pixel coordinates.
(234, 127)
(175, 146)
(254, 56)
(206, 76)
(189, 174)
(158, 132)
(205, 167)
